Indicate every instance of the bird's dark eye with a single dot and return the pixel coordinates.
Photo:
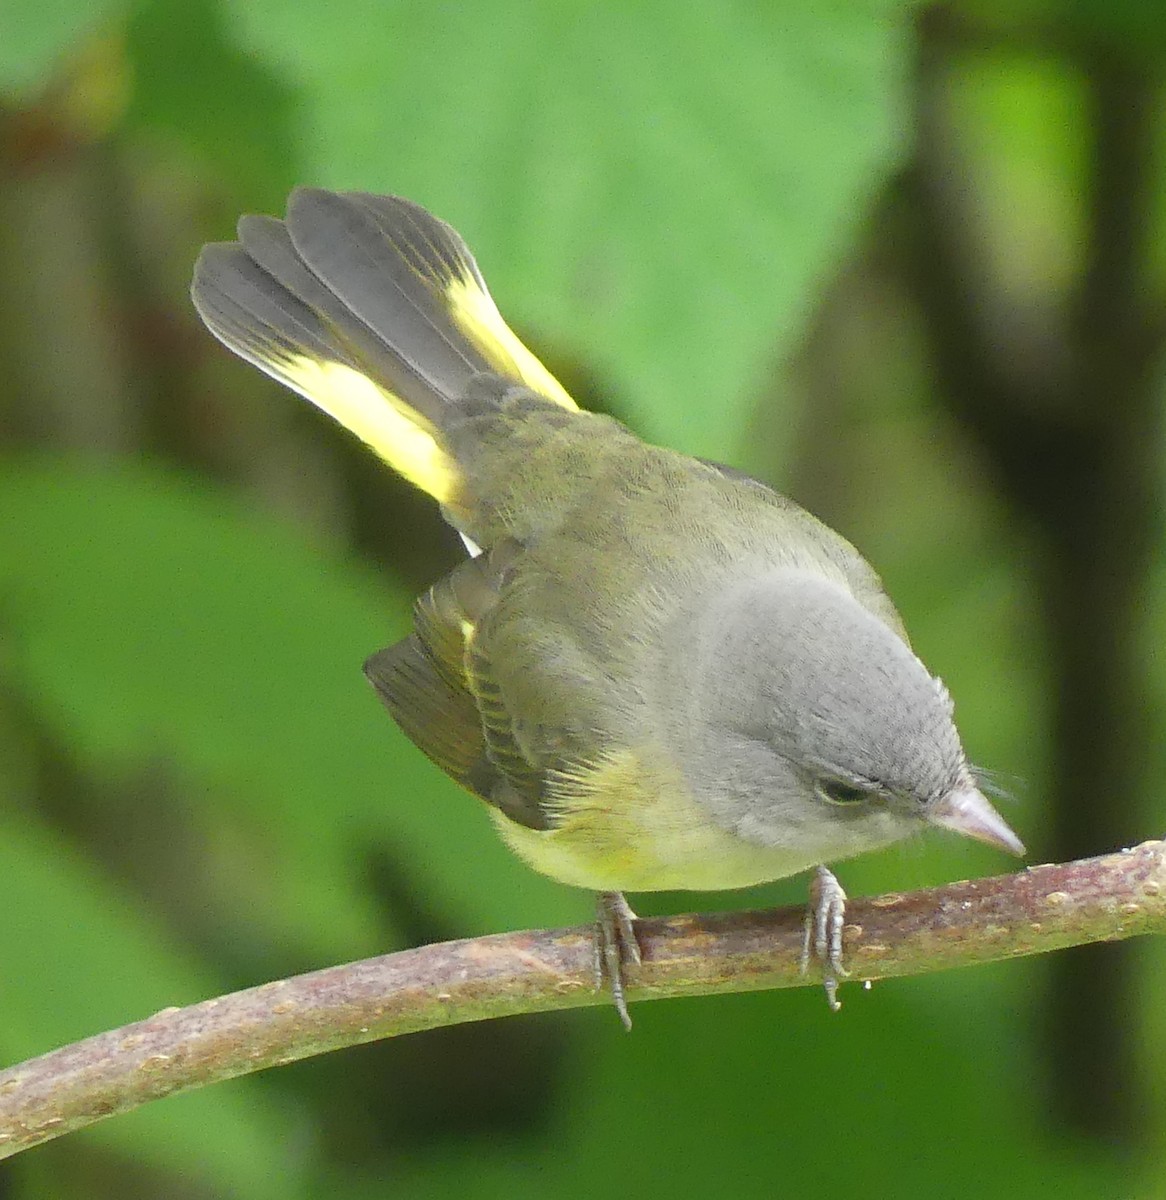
(837, 791)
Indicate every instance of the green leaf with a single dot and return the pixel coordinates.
(38, 34)
(654, 189)
(175, 48)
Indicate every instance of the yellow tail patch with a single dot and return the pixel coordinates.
(377, 417)
(474, 312)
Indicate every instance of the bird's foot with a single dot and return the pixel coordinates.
(825, 917)
(615, 947)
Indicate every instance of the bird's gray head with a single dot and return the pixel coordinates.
(852, 739)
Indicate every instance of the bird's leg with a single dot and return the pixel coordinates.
(615, 947)
(825, 917)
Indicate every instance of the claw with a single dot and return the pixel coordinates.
(825, 918)
(615, 947)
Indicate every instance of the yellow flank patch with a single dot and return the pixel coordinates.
(477, 316)
(377, 417)
(630, 823)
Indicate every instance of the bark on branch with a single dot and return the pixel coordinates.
(1038, 910)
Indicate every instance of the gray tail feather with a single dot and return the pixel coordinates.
(352, 278)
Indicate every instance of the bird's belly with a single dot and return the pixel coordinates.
(625, 827)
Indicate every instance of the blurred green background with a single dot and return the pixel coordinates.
(907, 262)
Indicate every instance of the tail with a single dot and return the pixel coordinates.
(372, 309)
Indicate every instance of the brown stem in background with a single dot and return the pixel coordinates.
(1039, 910)
(1067, 411)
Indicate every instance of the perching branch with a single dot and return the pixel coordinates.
(1039, 910)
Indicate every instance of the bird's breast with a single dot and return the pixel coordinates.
(630, 823)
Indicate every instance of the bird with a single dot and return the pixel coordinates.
(656, 671)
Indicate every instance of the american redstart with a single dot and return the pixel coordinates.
(658, 672)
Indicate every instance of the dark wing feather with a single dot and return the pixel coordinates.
(439, 688)
(438, 718)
